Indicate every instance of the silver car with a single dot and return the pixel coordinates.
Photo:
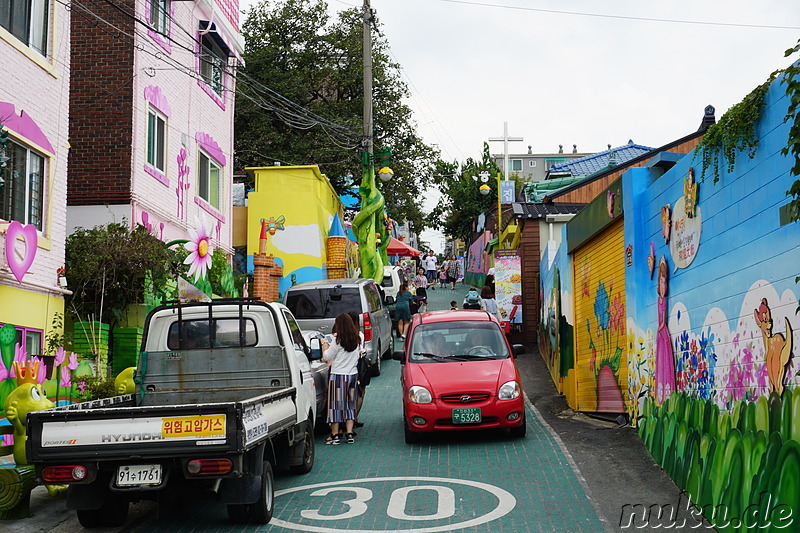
(315, 305)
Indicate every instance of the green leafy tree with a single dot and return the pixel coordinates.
(300, 101)
(107, 265)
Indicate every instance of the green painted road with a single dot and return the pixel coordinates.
(476, 482)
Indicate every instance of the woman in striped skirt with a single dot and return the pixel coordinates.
(342, 354)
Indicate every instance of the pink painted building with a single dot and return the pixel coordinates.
(151, 105)
(34, 114)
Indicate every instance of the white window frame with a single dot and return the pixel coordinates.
(212, 64)
(32, 184)
(205, 185)
(155, 159)
(532, 163)
(511, 165)
(33, 29)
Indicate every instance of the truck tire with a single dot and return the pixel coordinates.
(112, 513)
(308, 450)
(261, 511)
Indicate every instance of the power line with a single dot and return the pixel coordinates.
(623, 17)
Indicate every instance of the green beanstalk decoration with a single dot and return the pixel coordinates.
(368, 226)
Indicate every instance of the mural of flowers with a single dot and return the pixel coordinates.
(695, 365)
(606, 347)
(641, 372)
(200, 250)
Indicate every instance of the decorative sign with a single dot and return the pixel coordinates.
(507, 192)
(610, 200)
(651, 259)
(629, 255)
(189, 293)
(20, 265)
(685, 238)
(666, 222)
(508, 285)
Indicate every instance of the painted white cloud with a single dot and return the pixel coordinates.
(299, 240)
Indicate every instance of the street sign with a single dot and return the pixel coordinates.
(507, 193)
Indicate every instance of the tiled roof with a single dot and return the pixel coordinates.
(590, 164)
(536, 210)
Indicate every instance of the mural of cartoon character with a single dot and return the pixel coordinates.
(690, 193)
(26, 398)
(778, 347)
(665, 360)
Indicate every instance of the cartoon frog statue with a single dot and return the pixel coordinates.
(26, 398)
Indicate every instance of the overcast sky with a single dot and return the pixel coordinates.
(583, 72)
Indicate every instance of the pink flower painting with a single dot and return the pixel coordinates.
(200, 250)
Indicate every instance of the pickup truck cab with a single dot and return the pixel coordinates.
(224, 393)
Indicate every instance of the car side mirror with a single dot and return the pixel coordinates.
(389, 300)
(397, 355)
(518, 349)
(315, 350)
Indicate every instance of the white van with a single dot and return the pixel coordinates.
(393, 276)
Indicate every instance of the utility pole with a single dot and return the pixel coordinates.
(505, 138)
(368, 140)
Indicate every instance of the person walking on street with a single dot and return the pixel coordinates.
(489, 281)
(430, 266)
(402, 308)
(442, 277)
(488, 303)
(342, 353)
(420, 283)
(453, 271)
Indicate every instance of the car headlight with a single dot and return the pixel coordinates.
(509, 391)
(417, 394)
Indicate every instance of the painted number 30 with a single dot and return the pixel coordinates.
(445, 503)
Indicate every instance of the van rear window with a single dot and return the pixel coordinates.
(322, 303)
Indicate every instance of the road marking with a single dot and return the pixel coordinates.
(396, 507)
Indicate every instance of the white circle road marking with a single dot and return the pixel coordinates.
(505, 505)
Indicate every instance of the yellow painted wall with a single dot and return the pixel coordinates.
(600, 328)
(307, 200)
(29, 309)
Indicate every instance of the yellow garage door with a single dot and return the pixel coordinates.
(601, 360)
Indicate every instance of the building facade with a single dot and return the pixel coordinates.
(152, 116)
(34, 113)
(534, 167)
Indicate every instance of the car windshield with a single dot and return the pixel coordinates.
(322, 303)
(457, 341)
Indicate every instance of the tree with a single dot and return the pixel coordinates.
(461, 202)
(300, 101)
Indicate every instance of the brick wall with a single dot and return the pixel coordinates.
(266, 277)
(101, 106)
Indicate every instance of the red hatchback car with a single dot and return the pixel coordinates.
(458, 372)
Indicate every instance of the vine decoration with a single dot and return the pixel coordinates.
(735, 131)
(792, 81)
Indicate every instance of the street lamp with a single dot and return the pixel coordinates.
(385, 174)
(484, 189)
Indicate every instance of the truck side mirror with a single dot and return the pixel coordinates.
(315, 350)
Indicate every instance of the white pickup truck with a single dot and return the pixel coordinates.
(224, 393)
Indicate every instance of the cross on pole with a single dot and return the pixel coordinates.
(505, 139)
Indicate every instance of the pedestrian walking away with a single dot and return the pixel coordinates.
(402, 309)
(453, 272)
(342, 353)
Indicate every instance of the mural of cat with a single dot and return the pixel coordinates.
(778, 347)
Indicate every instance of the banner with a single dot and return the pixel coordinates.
(508, 284)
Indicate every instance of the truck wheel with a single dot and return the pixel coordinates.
(112, 513)
(308, 450)
(238, 513)
(261, 511)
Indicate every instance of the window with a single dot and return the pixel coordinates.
(373, 298)
(159, 15)
(212, 63)
(297, 335)
(515, 165)
(556, 161)
(322, 303)
(208, 180)
(27, 21)
(227, 333)
(29, 339)
(22, 186)
(532, 163)
(156, 139)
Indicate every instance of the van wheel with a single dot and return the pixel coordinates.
(388, 353)
(308, 450)
(376, 368)
(261, 511)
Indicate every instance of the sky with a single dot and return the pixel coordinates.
(564, 72)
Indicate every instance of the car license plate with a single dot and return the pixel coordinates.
(132, 475)
(471, 415)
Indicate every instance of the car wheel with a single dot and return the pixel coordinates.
(376, 368)
(520, 431)
(308, 450)
(261, 511)
(410, 436)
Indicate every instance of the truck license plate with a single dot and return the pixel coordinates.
(131, 475)
(470, 415)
